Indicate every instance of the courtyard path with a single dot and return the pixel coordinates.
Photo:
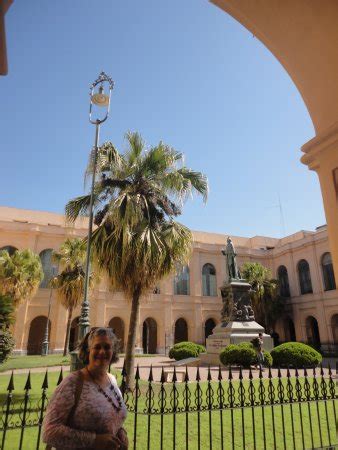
(157, 362)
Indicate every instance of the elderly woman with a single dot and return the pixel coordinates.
(87, 409)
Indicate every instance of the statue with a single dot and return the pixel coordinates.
(236, 293)
(230, 260)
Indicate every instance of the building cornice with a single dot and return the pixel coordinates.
(323, 142)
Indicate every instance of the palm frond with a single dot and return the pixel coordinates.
(197, 181)
(136, 146)
(76, 207)
(108, 160)
(20, 274)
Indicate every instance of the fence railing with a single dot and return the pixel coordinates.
(295, 411)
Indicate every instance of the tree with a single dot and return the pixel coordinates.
(20, 274)
(136, 198)
(6, 311)
(7, 342)
(266, 302)
(69, 284)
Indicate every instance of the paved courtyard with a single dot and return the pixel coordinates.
(159, 361)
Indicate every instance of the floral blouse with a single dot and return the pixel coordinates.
(93, 414)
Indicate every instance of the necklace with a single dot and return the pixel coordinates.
(112, 389)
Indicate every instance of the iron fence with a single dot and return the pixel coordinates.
(296, 411)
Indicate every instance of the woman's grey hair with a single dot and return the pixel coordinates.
(87, 341)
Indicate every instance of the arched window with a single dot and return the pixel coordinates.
(182, 282)
(74, 334)
(209, 281)
(47, 267)
(208, 327)
(289, 330)
(117, 325)
(304, 277)
(149, 336)
(181, 331)
(36, 335)
(10, 249)
(283, 278)
(334, 325)
(328, 273)
(312, 332)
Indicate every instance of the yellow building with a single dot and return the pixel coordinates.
(185, 306)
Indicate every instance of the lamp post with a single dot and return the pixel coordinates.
(99, 98)
(45, 342)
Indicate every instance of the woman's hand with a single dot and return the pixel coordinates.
(106, 442)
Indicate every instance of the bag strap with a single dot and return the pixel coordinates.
(78, 391)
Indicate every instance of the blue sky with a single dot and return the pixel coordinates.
(186, 73)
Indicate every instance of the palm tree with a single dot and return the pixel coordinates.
(69, 284)
(20, 275)
(266, 302)
(136, 198)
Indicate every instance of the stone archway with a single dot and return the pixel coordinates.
(312, 332)
(208, 327)
(334, 327)
(307, 41)
(10, 249)
(289, 330)
(74, 334)
(117, 325)
(181, 331)
(36, 335)
(149, 336)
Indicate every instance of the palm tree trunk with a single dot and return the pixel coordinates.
(69, 322)
(129, 357)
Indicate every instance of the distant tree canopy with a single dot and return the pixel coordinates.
(266, 302)
(20, 274)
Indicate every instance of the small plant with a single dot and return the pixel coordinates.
(243, 354)
(185, 349)
(296, 354)
(7, 344)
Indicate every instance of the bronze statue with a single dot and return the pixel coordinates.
(236, 293)
(230, 261)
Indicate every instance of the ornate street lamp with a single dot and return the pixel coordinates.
(45, 342)
(100, 99)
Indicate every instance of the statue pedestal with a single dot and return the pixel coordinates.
(232, 333)
(238, 322)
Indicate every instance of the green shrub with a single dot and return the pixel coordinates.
(185, 349)
(268, 360)
(295, 354)
(242, 354)
(7, 344)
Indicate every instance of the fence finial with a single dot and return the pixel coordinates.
(28, 382)
(60, 377)
(209, 374)
(198, 378)
(45, 381)
(11, 383)
(220, 378)
(162, 380)
(150, 378)
(186, 376)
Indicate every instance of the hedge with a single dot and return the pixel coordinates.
(295, 354)
(185, 349)
(7, 344)
(242, 354)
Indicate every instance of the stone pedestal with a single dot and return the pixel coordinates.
(238, 322)
(232, 333)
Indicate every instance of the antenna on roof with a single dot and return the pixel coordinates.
(282, 221)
